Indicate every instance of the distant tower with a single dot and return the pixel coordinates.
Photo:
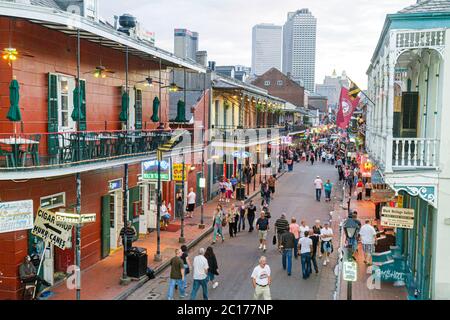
(266, 48)
(186, 44)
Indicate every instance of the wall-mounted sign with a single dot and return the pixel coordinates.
(73, 218)
(150, 170)
(48, 229)
(397, 218)
(115, 185)
(15, 216)
(177, 171)
(202, 183)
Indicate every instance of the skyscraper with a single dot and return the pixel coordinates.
(185, 44)
(266, 48)
(299, 47)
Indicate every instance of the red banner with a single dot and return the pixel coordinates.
(347, 105)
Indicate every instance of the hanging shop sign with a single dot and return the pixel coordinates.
(150, 170)
(48, 229)
(241, 154)
(177, 171)
(115, 185)
(350, 271)
(397, 218)
(15, 216)
(382, 195)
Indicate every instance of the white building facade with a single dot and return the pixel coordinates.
(299, 47)
(408, 137)
(331, 88)
(266, 48)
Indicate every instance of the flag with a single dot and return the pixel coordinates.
(347, 105)
(353, 91)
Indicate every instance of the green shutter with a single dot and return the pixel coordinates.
(138, 108)
(106, 216)
(83, 126)
(52, 113)
(134, 197)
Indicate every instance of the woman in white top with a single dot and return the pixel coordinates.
(165, 215)
(326, 235)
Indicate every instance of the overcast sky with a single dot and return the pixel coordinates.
(347, 30)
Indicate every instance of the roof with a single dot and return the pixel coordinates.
(428, 6)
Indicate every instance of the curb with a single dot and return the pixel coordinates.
(166, 264)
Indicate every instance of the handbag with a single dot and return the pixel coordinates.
(274, 240)
(224, 223)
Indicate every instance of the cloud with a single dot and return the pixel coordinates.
(347, 30)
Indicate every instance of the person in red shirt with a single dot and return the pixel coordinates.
(359, 190)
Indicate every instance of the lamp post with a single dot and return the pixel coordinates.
(158, 257)
(350, 228)
(182, 239)
(202, 222)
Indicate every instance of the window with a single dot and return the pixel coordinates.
(138, 109)
(53, 201)
(267, 83)
(66, 86)
(280, 83)
(64, 94)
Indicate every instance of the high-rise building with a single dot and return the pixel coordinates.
(266, 48)
(299, 47)
(185, 44)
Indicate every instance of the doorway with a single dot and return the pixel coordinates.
(147, 218)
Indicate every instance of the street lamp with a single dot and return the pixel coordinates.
(350, 229)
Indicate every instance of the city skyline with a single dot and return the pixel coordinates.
(226, 28)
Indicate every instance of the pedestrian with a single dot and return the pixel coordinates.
(262, 280)
(368, 238)
(234, 183)
(231, 222)
(368, 188)
(222, 189)
(303, 229)
(328, 187)
(315, 237)
(242, 213)
(176, 275)
(229, 191)
(128, 232)
(179, 210)
(306, 249)
(359, 190)
(294, 228)
(236, 212)
(218, 226)
(191, 202)
(286, 247)
(281, 226)
(326, 236)
(186, 263)
(251, 211)
(271, 182)
(318, 184)
(200, 266)
(354, 241)
(213, 268)
(312, 158)
(262, 226)
(290, 164)
(165, 214)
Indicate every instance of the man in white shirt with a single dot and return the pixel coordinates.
(306, 249)
(262, 280)
(318, 183)
(326, 235)
(191, 197)
(303, 229)
(200, 276)
(368, 236)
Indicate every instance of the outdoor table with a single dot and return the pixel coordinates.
(15, 144)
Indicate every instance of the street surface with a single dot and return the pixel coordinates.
(295, 196)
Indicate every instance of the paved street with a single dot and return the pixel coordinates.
(237, 257)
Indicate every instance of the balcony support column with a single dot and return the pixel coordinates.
(390, 103)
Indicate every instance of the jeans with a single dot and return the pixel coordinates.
(172, 283)
(306, 264)
(327, 194)
(241, 222)
(287, 255)
(231, 228)
(217, 231)
(211, 276)
(296, 247)
(318, 194)
(251, 218)
(197, 283)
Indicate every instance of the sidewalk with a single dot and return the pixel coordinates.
(366, 210)
(102, 280)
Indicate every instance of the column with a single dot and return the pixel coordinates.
(390, 104)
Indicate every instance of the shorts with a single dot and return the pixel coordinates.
(262, 234)
(368, 248)
(327, 246)
(229, 193)
(223, 190)
(272, 189)
(190, 207)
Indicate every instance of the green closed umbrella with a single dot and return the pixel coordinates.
(14, 96)
(156, 104)
(125, 104)
(181, 111)
(75, 105)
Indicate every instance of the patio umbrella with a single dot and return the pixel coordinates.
(14, 96)
(75, 106)
(156, 103)
(125, 104)
(181, 111)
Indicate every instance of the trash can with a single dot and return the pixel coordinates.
(240, 193)
(137, 260)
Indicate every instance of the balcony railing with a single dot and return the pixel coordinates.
(55, 150)
(415, 153)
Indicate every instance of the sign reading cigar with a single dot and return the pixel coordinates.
(397, 218)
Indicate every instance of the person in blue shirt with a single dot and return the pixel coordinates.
(328, 187)
(234, 182)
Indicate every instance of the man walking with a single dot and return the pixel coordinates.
(176, 275)
(281, 225)
(326, 235)
(262, 280)
(251, 211)
(328, 187)
(318, 183)
(287, 245)
(242, 212)
(262, 226)
(368, 237)
(272, 181)
(294, 228)
(200, 266)
(306, 248)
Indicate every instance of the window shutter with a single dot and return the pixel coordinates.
(138, 109)
(82, 125)
(52, 113)
(133, 195)
(105, 226)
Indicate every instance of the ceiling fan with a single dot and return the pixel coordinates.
(149, 82)
(10, 53)
(101, 72)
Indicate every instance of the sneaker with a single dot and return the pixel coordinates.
(264, 248)
(215, 285)
(260, 246)
(325, 263)
(328, 260)
(182, 297)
